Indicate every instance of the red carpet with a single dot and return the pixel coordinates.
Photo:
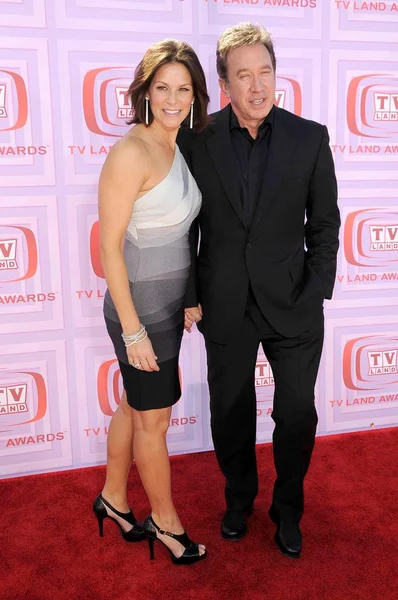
(51, 549)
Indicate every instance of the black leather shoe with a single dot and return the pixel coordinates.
(234, 524)
(288, 538)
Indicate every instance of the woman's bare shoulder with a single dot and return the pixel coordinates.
(130, 154)
(130, 145)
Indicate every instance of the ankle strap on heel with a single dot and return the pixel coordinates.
(182, 538)
(191, 552)
(129, 517)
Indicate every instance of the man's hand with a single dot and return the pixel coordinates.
(192, 315)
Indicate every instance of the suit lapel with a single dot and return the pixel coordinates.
(281, 148)
(220, 148)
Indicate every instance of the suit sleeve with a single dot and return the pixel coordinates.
(191, 294)
(323, 218)
(185, 140)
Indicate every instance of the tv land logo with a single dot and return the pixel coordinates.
(13, 399)
(95, 256)
(3, 109)
(386, 107)
(124, 110)
(98, 293)
(383, 238)
(13, 101)
(370, 363)
(372, 106)
(382, 362)
(8, 254)
(288, 95)
(264, 384)
(109, 387)
(105, 103)
(263, 374)
(23, 399)
(371, 238)
(18, 253)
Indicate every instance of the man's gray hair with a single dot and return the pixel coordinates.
(243, 34)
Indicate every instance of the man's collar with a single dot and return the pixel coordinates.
(234, 123)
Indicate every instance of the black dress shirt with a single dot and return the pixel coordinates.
(251, 156)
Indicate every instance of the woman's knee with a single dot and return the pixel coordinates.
(152, 422)
(124, 407)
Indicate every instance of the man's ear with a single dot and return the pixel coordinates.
(224, 87)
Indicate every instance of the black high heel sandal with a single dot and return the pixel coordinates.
(191, 552)
(136, 534)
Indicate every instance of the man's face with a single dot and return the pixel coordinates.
(251, 82)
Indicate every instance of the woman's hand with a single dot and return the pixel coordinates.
(192, 315)
(142, 357)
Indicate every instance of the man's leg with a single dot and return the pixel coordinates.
(231, 370)
(295, 364)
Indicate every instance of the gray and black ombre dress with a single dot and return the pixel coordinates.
(157, 257)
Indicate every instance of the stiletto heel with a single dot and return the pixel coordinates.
(100, 525)
(101, 514)
(151, 543)
(136, 534)
(191, 553)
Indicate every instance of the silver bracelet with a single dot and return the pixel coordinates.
(137, 341)
(133, 336)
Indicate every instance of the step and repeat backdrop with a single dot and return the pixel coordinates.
(65, 66)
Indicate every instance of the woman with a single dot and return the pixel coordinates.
(147, 202)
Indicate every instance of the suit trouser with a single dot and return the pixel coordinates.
(231, 373)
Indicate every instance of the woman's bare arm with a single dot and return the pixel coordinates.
(122, 177)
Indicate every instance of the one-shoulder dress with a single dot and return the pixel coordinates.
(157, 257)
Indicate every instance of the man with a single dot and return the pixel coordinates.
(269, 228)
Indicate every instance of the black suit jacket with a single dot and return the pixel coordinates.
(288, 254)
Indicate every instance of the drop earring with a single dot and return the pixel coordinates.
(146, 110)
(191, 116)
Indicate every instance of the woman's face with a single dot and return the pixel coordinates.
(170, 95)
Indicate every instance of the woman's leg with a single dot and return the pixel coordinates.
(152, 460)
(119, 458)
